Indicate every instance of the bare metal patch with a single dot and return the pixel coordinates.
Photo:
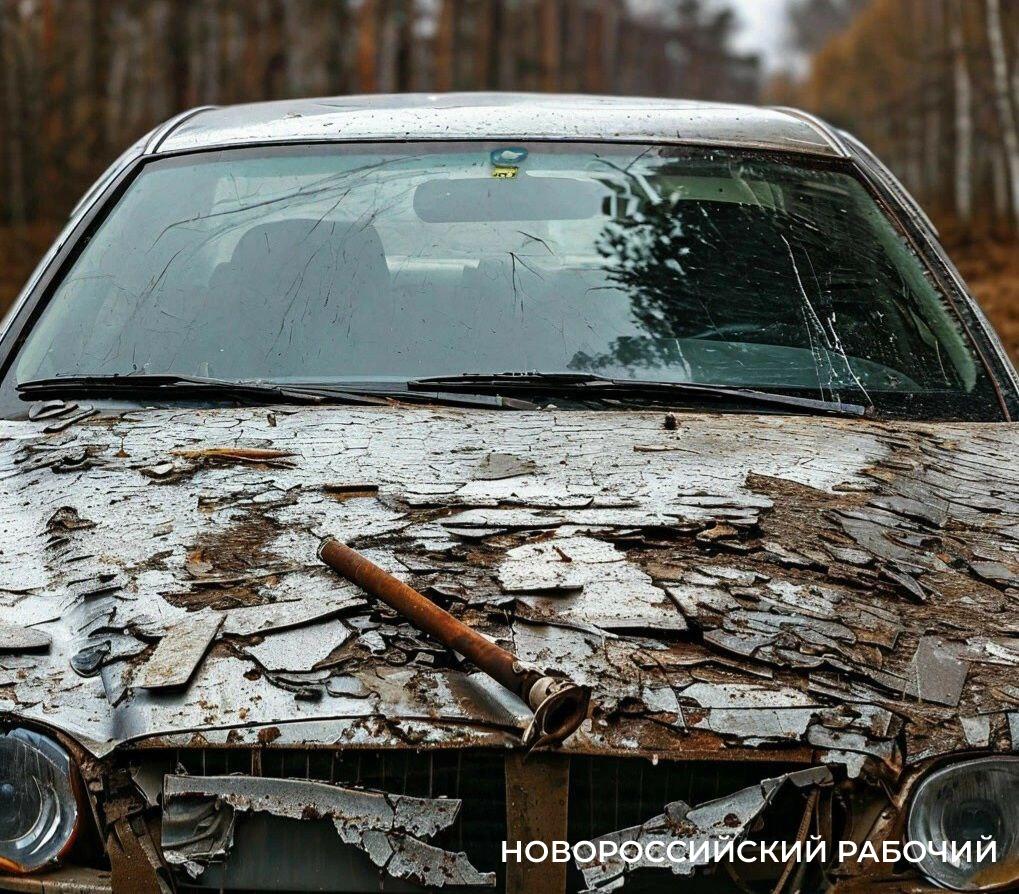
(200, 813)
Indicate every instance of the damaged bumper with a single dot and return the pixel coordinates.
(199, 816)
(481, 820)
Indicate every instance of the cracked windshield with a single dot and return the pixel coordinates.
(383, 264)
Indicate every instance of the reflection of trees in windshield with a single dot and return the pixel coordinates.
(758, 274)
(695, 269)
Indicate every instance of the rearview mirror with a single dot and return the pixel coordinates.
(480, 199)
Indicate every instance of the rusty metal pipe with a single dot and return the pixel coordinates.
(559, 705)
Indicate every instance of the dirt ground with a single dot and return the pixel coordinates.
(990, 267)
(992, 271)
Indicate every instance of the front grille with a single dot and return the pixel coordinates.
(606, 794)
(610, 793)
(474, 776)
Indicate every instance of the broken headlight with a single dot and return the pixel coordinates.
(38, 803)
(969, 803)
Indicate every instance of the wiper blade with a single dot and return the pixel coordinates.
(581, 385)
(169, 385)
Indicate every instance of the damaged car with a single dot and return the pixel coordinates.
(395, 489)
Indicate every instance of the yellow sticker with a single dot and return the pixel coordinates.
(504, 173)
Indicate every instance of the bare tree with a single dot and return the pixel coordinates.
(963, 115)
(484, 70)
(367, 46)
(1006, 113)
(445, 40)
(933, 95)
(11, 57)
(551, 18)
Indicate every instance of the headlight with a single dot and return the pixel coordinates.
(38, 807)
(976, 801)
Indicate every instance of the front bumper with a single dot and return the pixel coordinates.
(270, 820)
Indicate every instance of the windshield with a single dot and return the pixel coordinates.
(380, 264)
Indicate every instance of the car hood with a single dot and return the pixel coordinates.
(834, 590)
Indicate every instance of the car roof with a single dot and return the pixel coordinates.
(469, 116)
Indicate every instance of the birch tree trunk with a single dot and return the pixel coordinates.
(933, 98)
(1003, 102)
(963, 117)
(1015, 77)
(999, 185)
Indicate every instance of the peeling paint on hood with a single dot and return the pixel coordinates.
(841, 590)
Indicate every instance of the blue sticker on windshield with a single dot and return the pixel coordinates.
(508, 157)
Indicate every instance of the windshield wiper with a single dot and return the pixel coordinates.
(582, 385)
(485, 390)
(173, 386)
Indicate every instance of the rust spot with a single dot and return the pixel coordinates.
(718, 531)
(999, 873)
(341, 492)
(231, 567)
(562, 554)
(66, 519)
(694, 715)
(9, 693)
(268, 735)
(229, 455)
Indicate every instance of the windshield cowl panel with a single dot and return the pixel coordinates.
(379, 265)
